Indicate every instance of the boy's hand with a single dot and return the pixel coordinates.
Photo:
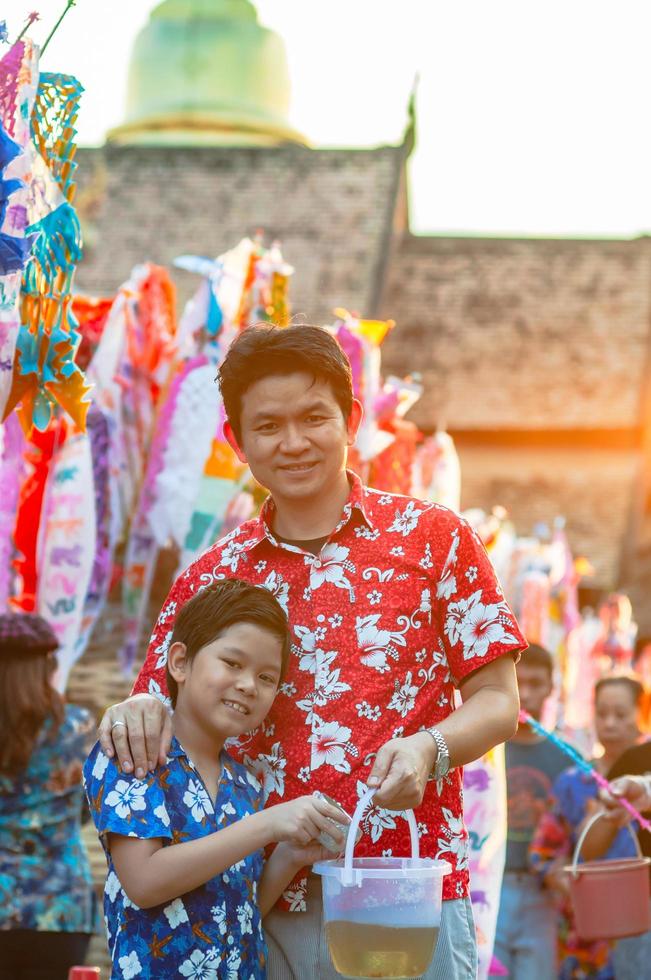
(138, 731)
(299, 822)
(301, 856)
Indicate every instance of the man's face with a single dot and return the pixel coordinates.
(535, 686)
(294, 437)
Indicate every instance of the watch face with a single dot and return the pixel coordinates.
(442, 766)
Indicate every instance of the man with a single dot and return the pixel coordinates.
(525, 941)
(391, 602)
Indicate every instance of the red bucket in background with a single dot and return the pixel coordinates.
(84, 973)
(611, 899)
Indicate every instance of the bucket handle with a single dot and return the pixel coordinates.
(584, 833)
(350, 877)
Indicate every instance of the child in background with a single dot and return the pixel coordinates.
(618, 701)
(187, 883)
(525, 938)
(46, 893)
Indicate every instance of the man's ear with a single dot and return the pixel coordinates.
(354, 421)
(232, 441)
(177, 661)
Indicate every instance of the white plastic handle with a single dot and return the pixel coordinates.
(349, 877)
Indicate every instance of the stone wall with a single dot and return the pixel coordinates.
(522, 334)
(332, 210)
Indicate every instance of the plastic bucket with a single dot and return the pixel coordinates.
(611, 899)
(382, 915)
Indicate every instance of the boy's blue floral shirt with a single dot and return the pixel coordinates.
(45, 878)
(211, 933)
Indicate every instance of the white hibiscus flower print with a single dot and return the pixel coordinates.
(233, 963)
(218, 913)
(162, 649)
(197, 800)
(376, 644)
(404, 697)
(154, 689)
(99, 768)
(175, 913)
(376, 820)
(244, 917)
(454, 842)
(331, 566)
(447, 584)
(201, 966)
(162, 814)
(279, 588)
(478, 626)
(295, 898)
(130, 965)
(471, 573)
(407, 521)
(112, 886)
(127, 796)
(374, 597)
(232, 553)
(269, 770)
(330, 742)
(327, 687)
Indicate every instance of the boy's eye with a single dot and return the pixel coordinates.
(230, 663)
(267, 678)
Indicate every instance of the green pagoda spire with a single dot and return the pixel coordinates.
(204, 72)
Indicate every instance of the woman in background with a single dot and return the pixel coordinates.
(46, 895)
(619, 701)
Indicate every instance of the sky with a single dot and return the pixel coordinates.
(532, 115)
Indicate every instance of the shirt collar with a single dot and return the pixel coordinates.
(357, 500)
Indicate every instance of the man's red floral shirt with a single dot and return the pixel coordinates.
(400, 604)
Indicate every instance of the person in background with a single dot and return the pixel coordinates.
(630, 777)
(526, 924)
(46, 894)
(618, 700)
(614, 648)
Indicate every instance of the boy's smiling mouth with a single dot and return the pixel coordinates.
(236, 706)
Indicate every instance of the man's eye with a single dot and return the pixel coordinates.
(267, 427)
(315, 418)
(230, 663)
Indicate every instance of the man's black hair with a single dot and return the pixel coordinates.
(538, 656)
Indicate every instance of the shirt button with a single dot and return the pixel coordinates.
(317, 564)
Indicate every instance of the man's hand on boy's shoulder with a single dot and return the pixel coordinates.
(138, 732)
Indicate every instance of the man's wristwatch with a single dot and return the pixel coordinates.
(442, 764)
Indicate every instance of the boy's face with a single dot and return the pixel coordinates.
(535, 686)
(230, 684)
(294, 436)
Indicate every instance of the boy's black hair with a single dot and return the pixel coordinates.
(263, 350)
(538, 656)
(225, 603)
(634, 686)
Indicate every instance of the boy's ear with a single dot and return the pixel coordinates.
(232, 441)
(177, 661)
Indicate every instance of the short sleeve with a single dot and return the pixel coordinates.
(121, 804)
(477, 624)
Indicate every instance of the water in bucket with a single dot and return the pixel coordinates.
(382, 915)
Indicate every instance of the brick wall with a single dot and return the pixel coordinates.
(332, 210)
(519, 334)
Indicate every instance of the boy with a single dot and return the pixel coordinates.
(194, 909)
(525, 941)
